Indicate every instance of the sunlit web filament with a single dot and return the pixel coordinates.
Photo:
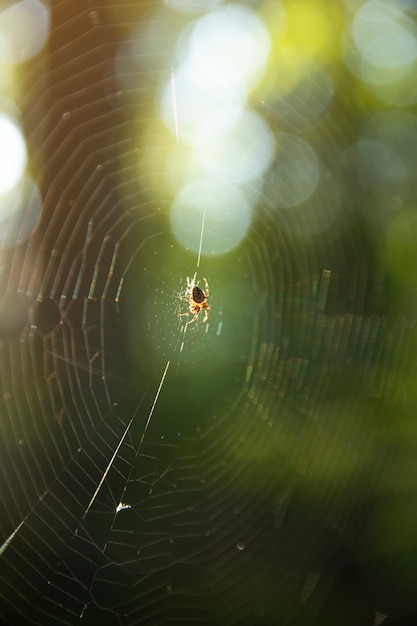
(154, 404)
(201, 238)
(106, 471)
(174, 104)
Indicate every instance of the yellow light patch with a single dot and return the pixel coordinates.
(313, 29)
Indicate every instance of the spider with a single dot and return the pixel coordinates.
(197, 300)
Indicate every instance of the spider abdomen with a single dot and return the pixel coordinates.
(198, 295)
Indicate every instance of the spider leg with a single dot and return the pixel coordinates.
(206, 287)
(193, 319)
(206, 309)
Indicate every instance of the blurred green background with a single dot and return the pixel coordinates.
(258, 467)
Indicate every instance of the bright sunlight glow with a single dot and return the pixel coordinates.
(221, 56)
(24, 30)
(13, 154)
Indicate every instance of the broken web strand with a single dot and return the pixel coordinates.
(148, 421)
(105, 473)
(122, 505)
(142, 438)
(121, 501)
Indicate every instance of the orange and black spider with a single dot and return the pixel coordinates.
(197, 299)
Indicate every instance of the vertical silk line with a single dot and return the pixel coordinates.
(201, 238)
(174, 104)
(175, 112)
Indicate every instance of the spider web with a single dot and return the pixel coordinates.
(151, 476)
